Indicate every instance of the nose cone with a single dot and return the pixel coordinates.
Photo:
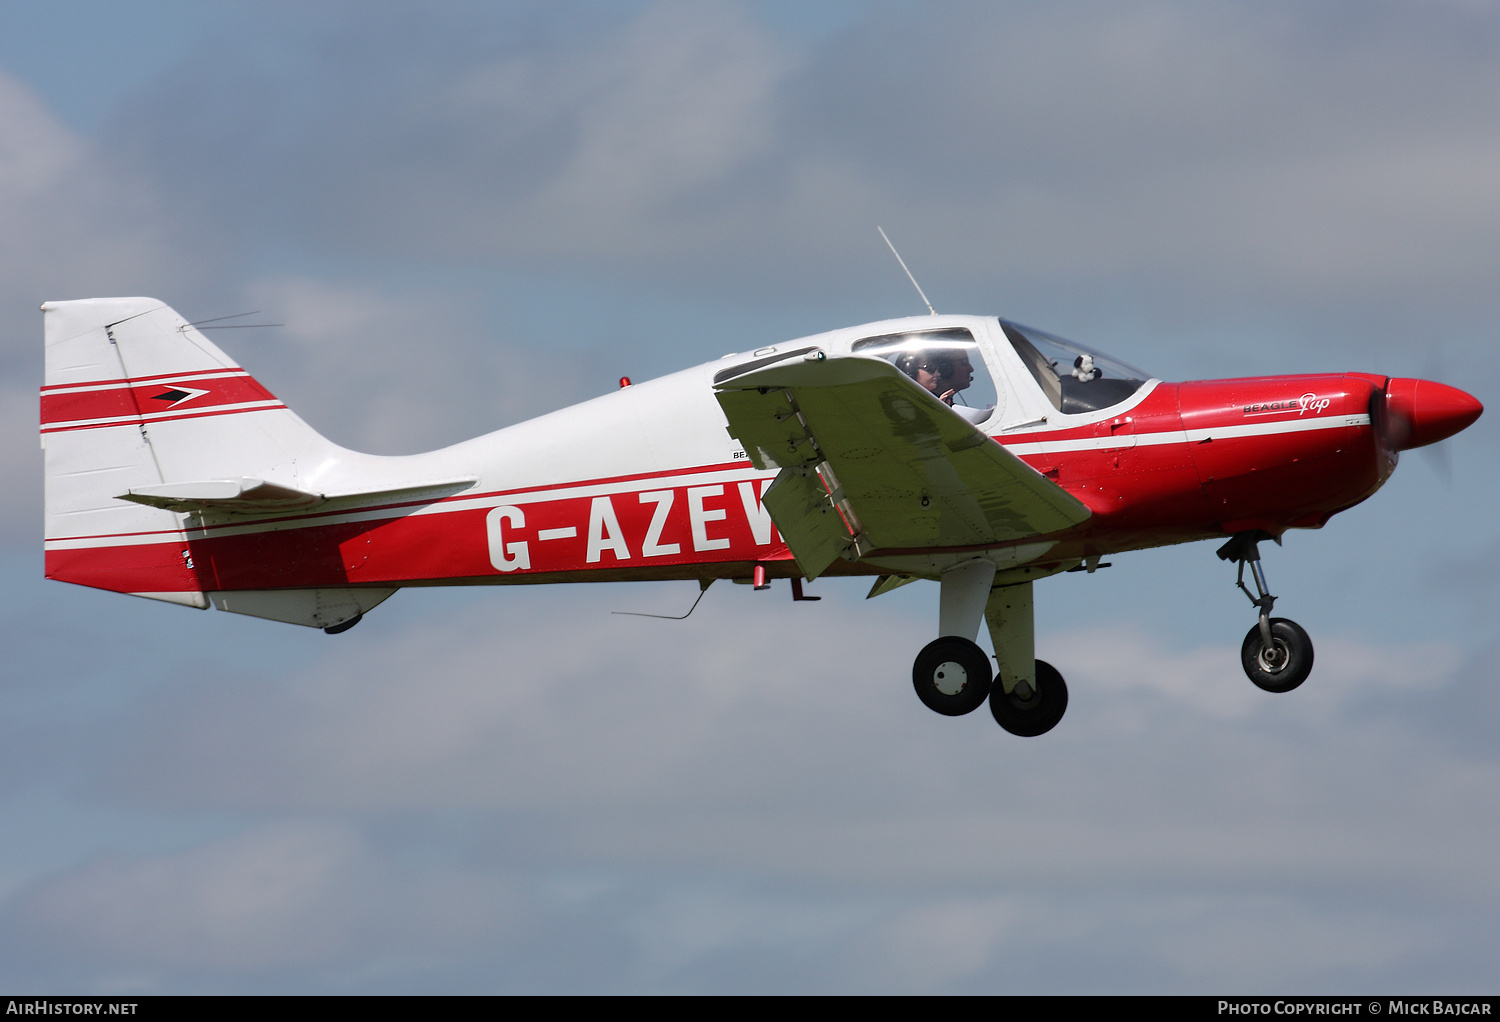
(1422, 412)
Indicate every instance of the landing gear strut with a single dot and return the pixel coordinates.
(952, 675)
(1029, 696)
(1277, 654)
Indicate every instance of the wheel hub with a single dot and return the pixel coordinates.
(950, 678)
(1273, 658)
(1024, 703)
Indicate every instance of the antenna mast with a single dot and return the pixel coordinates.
(930, 310)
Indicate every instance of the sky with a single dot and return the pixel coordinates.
(467, 214)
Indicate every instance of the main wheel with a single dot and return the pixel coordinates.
(952, 676)
(1286, 664)
(1037, 715)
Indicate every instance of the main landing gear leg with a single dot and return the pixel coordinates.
(1277, 654)
(952, 674)
(1031, 697)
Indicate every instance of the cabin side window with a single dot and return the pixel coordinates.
(947, 363)
(1076, 379)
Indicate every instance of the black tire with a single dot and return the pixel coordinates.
(1288, 667)
(952, 676)
(1037, 715)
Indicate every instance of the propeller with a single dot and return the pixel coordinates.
(1438, 457)
(1416, 413)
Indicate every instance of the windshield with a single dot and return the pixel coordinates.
(1075, 378)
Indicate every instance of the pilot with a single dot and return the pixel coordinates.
(943, 373)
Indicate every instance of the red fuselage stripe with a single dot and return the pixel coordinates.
(1151, 476)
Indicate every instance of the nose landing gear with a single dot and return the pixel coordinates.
(1277, 654)
(1281, 665)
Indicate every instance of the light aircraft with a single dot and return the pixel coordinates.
(966, 449)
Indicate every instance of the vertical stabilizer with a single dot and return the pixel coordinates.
(136, 397)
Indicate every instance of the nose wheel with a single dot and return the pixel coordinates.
(1283, 663)
(1277, 654)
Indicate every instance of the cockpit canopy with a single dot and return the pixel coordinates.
(1075, 378)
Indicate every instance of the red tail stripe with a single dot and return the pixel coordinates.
(104, 423)
(80, 406)
(87, 405)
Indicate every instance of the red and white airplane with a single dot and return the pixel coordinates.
(966, 449)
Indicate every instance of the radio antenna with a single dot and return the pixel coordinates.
(930, 309)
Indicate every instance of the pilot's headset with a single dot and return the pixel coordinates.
(909, 362)
(938, 362)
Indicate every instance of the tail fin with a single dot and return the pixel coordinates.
(135, 401)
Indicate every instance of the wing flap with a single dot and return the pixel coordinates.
(808, 521)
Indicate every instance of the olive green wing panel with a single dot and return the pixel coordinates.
(768, 426)
(812, 526)
(903, 468)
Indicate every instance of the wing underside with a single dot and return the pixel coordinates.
(871, 462)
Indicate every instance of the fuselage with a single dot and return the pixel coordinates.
(646, 483)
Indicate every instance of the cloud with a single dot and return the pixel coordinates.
(690, 745)
(753, 799)
(1224, 148)
(71, 230)
(302, 903)
(1188, 155)
(408, 368)
(477, 144)
(302, 907)
(265, 899)
(73, 227)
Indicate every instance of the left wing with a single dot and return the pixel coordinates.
(871, 461)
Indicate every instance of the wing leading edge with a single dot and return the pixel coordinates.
(871, 462)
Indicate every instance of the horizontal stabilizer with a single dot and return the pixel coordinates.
(243, 495)
(250, 496)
